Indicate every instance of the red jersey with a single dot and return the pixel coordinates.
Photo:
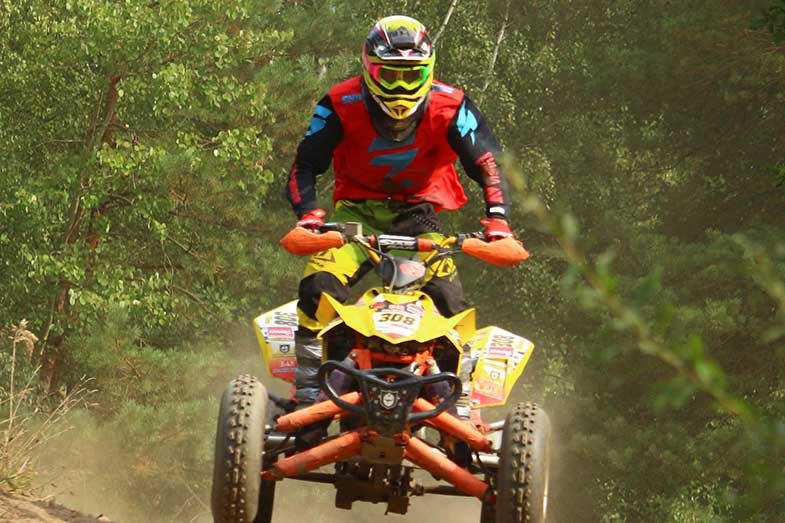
(421, 168)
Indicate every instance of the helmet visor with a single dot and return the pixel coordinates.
(390, 77)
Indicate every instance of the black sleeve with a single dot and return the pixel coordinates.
(314, 155)
(472, 139)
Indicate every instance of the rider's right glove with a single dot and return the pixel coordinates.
(312, 220)
(496, 229)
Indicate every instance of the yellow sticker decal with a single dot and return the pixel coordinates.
(445, 268)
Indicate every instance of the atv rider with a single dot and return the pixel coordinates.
(392, 134)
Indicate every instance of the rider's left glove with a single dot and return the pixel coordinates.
(312, 220)
(496, 229)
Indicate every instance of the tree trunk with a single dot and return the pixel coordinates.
(53, 352)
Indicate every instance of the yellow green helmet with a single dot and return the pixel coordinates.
(398, 63)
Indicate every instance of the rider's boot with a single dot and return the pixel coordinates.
(464, 403)
(459, 451)
(308, 349)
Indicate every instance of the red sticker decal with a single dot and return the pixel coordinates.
(284, 367)
(280, 333)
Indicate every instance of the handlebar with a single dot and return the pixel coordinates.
(303, 242)
(387, 242)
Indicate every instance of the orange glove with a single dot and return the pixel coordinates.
(312, 220)
(496, 229)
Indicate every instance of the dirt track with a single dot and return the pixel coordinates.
(23, 510)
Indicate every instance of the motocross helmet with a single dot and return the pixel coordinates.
(397, 75)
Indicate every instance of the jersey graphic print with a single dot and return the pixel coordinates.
(467, 122)
(397, 161)
(367, 166)
(319, 119)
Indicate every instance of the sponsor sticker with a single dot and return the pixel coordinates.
(280, 333)
(284, 318)
(489, 381)
(284, 367)
(499, 352)
(499, 341)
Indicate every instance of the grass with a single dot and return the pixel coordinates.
(28, 418)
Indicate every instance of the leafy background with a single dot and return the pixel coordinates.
(145, 146)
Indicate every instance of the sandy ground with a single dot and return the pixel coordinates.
(23, 510)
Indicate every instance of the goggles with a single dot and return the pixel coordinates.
(390, 77)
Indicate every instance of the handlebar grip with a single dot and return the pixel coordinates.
(332, 226)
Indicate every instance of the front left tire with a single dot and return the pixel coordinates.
(239, 495)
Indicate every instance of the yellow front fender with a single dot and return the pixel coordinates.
(367, 314)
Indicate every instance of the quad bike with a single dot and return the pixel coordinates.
(383, 380)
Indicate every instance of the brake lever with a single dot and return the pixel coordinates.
(480, 235)
(332, 226)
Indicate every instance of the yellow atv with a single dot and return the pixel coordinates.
(389, 378)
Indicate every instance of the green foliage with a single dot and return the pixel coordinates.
(773, 20)
(135, 134)
(646, 125)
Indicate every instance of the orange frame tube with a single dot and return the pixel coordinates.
(317, 412)
(454, 427)
(350, 444)
(340, 448)
(422, 455)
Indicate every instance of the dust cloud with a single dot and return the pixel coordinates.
(453, 509)
(298, 502)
